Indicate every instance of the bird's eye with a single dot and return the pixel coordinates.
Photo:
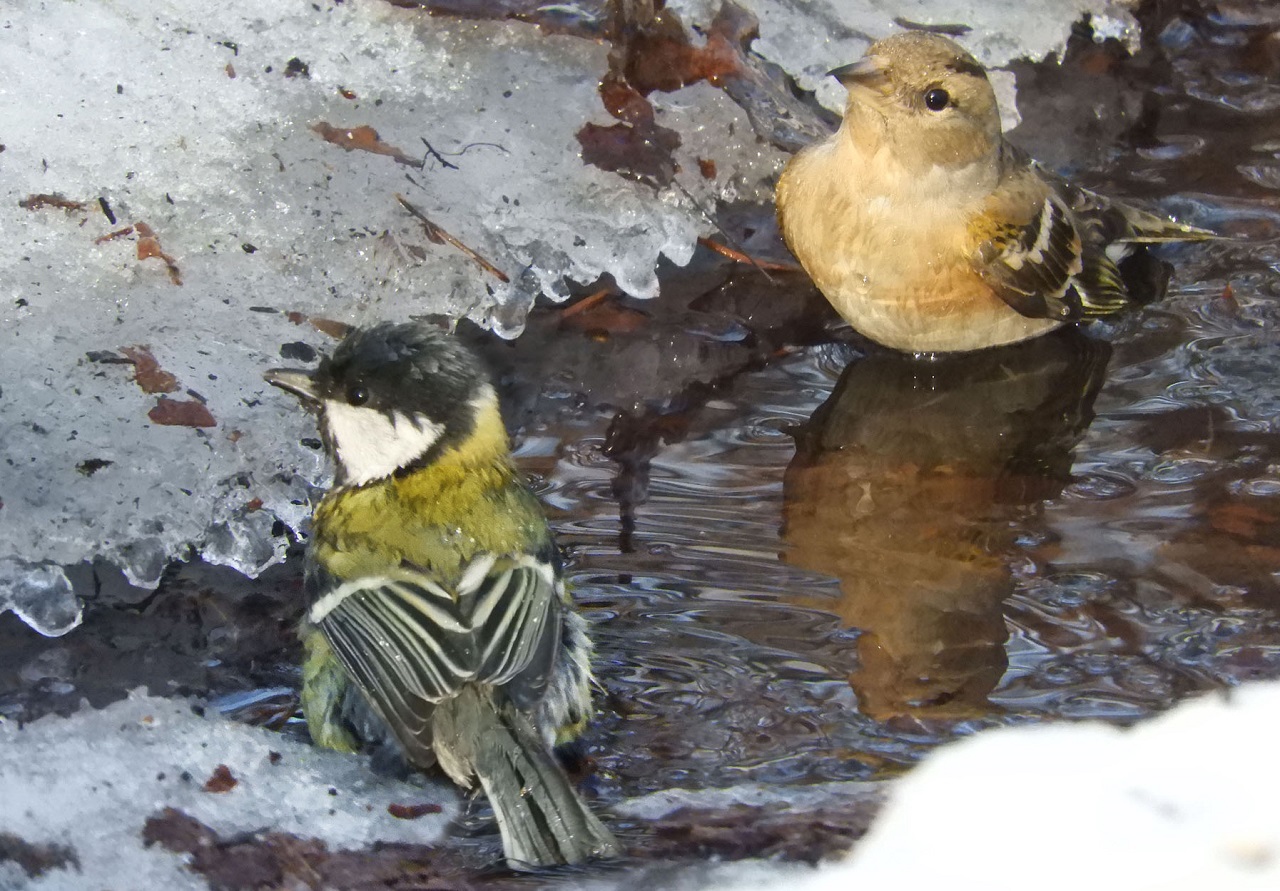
(937, 99)
(357, 395)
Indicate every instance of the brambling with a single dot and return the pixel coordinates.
(929, 232)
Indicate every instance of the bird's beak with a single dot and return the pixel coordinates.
(298, 383)
(867, 73)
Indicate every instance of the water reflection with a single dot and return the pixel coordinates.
(909, 483)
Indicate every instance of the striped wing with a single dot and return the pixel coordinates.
(1049, 249)
(1033, 252)
(409, 643)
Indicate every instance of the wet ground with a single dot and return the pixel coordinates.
(808, 559)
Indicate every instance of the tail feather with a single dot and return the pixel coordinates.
(542, 819)
(1147, 228)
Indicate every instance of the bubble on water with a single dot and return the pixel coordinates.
(1100, 487)
(1183, 470)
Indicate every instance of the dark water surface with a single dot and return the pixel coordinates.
(807, 559)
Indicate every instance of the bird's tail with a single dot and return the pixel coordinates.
(1147, 228)
(542, 819)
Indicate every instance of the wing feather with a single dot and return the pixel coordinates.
(409, 643)
(1031, 256)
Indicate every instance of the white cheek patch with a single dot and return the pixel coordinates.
(370, 445)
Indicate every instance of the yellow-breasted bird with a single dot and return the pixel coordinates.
(929, 232)
(438, 619)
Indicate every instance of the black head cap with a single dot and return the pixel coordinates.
(413, 369)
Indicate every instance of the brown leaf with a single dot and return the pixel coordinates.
(365, 139)
(221, 780)
(36, 859)
(149, 247)
(177, 832)
(741, 831)
(332, 327)
(660, 56)
(35, 202)
(644, 151)
(253, 861)
(147, 373)
(112, 236)
(1241, 519)
(181, 413)
(412, 811)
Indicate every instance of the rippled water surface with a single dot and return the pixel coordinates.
(807, 559)
(846, 557)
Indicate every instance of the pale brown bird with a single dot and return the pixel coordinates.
(929, 232)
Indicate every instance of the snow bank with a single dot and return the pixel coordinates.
(86, 786)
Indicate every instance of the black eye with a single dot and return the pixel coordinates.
(937, 99)
(357, 395)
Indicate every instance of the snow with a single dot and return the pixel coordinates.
(89, 783)
(1184, 801)
(176, 225)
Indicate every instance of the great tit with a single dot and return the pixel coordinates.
(929, 232)
(438, 619)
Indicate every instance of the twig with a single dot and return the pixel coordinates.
(470, 145)
(949, 30)
(110, 236)
(435, 154)
(729, 238)
(586, 303)
(439, 236)
(740, 257)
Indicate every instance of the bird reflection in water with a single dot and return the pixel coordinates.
(908, 485)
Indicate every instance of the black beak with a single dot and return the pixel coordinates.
(299, 383)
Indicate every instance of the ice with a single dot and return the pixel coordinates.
(88, 784)
(176, 223)
(807, 38)
(134, 103)
(40, 595)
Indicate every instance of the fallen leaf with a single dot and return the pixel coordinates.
(221, 780)
(181, 413)
(35, 202)
(412, 811)
(644, 151)
(36, 859)
(363, 138)
(332, 327)
(112, 236)
(251, 861)
(149, 247)
(147, 373)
